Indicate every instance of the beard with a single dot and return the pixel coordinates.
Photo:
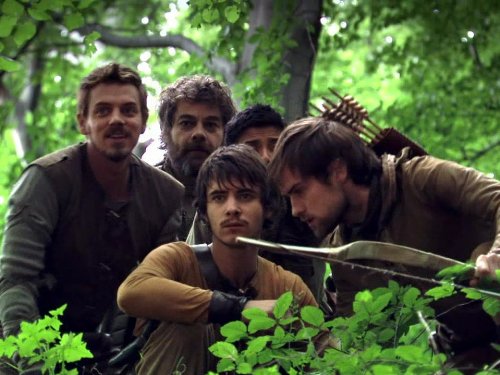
(327, 226)
(188, 160)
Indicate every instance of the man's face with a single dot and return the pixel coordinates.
(321, 205)
(262, 139)
(196, 132)
(113, 122)
(234, 210)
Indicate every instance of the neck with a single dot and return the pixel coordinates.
(237, 263)
(358, 197)
(112, 175)
(188, 181)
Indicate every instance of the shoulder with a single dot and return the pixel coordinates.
(68, 153)
(160, 178)
(174, 252)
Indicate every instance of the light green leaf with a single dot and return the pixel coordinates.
(9, 65)
(224, 350)
(253, 313)
(283, 304)
(256, 345)
(259, 324)
(491, 306)
(234, 330)
(92, 37)
(73, 20)
(411, 296)
(442, 291)
(225, 365)
(312, 315)
(410, 353)
(244, 368)
(12, 8)
(232, 13)
(381, 302)
(24, 32)
(7, 24)
(307, 333)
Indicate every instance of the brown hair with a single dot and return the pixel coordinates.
(239, 163)
(111, 73)
(309, 145)
(198, 89)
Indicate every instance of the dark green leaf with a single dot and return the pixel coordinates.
(12, 8)
(24, 32)
(73, 21)
(7, 24)
(39, 14)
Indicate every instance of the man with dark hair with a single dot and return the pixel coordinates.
(81, 218)
(259, 127)
(193, 112)
(334, 181)
(192, 290)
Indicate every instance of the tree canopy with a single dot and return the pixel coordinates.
(430, 69)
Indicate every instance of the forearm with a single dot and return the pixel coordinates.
(31, 217)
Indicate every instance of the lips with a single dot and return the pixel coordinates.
(232, 224)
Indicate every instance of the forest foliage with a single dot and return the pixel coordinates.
(430, 69)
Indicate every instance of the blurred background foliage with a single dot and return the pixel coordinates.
(428, 68)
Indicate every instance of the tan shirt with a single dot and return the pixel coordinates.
(169, 286)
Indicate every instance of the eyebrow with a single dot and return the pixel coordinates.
(186, 116)
(290, 191)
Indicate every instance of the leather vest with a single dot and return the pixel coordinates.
(94, 247)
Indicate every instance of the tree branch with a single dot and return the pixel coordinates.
(218, 64)
(485, 150)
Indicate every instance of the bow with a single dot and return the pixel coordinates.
(372, 250)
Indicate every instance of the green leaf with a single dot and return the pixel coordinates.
(12, 8)
(253, 313)
(441, 291)
(244, 368)
(261, 323)
(83, 4)
(385, 370)
(307, 333)
(234, 330)
(312, 315)
(458, 270)
(73, 21)
(381, 302)
(9, 65)
(386, 334)
(409, 353)
(92, 37)
(232, 13)
(491, 306)
(224, 350)
(7, 24)
(225, 365)
(411, 296)
(38, 14)
(256, 345)
(283, 304)
(24, 32)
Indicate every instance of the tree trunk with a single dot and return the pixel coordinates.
(300, 59)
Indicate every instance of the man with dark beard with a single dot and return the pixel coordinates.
(81, 218)
(193, 113)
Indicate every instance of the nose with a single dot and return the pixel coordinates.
(297, 206)
(232, 207)
(266, 155)
(116, 117)
(198, 134)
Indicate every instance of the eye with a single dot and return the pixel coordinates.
(217, 198)
(186, 124)
(101, 111)
(246, 196)
(211, 126)
(130, 110)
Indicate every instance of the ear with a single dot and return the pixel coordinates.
(338, 171)
(82, 124)
(143, 129)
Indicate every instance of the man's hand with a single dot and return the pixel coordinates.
(486, 265)
(267, 305)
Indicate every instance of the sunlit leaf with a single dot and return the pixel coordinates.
(9, 65)
(73, 20)
(24, 32)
